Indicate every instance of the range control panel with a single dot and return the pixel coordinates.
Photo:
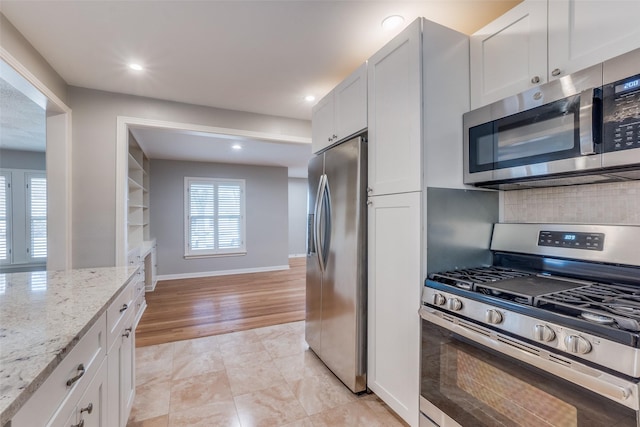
(573, 240)
(621, 107)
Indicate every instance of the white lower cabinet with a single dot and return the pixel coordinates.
(395, 282)
(94, 385)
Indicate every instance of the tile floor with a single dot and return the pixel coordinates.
(261, 377)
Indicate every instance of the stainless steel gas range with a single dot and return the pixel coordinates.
(549, 334)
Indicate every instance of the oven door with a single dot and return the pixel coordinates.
(467, 380)
(552, 129)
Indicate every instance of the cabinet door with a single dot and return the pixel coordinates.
(583, 33)
(322, 131)
(92, 407)
(121, 371)
(395, 282)
(395, 101)
(509, 55)
(350, 104)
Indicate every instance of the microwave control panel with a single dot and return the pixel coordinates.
(621, 109)
(573, 240)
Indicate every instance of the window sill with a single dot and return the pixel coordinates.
(186, 256)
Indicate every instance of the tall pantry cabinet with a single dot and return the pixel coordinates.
(418, 89)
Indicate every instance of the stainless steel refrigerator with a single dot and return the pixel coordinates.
(336, 298)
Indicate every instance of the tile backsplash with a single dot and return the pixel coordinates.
(612, 203)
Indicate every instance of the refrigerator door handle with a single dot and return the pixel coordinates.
(326, 241)
(318, 214)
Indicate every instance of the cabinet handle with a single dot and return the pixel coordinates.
(127, 332)
(535, 80)
(88, 409)
(556, 72)
(124, 307)
(369, 189)
(80, 424)
(70, 381)
(369, 203)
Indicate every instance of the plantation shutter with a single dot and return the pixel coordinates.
(4, 220)
(37, 216)
(215, 216)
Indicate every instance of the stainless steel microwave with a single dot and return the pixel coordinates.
(581, 128)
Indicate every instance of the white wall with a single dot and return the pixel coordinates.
(297, 216)
(266, 216)
(18, 159)
(94, 157)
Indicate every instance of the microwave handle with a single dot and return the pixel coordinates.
(587, 118)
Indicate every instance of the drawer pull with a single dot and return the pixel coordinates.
(88, 409)
(127, 332)
(124, 307)
(70, 381)
(80, 424)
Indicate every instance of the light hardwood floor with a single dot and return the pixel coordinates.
(190, 308)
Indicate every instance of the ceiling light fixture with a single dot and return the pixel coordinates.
(309, 98)
(391, 22)
(236, 147)
(136, 67)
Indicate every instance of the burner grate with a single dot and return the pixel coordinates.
(618, 302)
(468, 278)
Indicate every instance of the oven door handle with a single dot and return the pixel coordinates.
(602, 383)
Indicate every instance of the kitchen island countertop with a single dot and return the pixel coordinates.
(43, 314)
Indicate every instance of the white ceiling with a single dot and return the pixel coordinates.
(256, 56)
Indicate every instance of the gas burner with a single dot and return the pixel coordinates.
(596, 318)
(469, 278)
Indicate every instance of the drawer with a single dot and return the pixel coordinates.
(117, 312)
(54, 394)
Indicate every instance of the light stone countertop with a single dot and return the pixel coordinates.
(43, 315)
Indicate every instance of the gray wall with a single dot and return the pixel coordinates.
(17, 159)
(25, 53)
(266, 215)
(94, 157)
(297, 216)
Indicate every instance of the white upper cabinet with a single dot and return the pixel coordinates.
(583, 33)
(509, 55)
(395, 100)
(538, 41)
(342, 113)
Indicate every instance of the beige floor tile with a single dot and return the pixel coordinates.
(199, 390)
(275, 406)
(161, 421)
(241, 343)
(153, 363)
(248, 379)
(366, 413)
(271, 332)
(152, 400)
(196, 346)
(246, 360)
(318, 393)
(286, 344)
(301, 365)
(217, 414)
(305, 422)
(298, 326)
(188, 365)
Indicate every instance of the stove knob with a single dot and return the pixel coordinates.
(577, 344)
(493, 316)
(454, 304)
(544, 333)
(439, 299)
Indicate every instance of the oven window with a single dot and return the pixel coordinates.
(478, 388)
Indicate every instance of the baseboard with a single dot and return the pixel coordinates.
(221, 272)
(297, 255)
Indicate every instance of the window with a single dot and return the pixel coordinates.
(214, 217)
(37, 215)
(5, 226)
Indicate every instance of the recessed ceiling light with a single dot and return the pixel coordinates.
(391, 22)
(236, 147)
(136, 67)
(309, 98)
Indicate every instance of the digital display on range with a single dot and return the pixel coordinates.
(563, 239)
(627, 86)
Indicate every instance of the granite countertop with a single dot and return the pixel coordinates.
(43, 315)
